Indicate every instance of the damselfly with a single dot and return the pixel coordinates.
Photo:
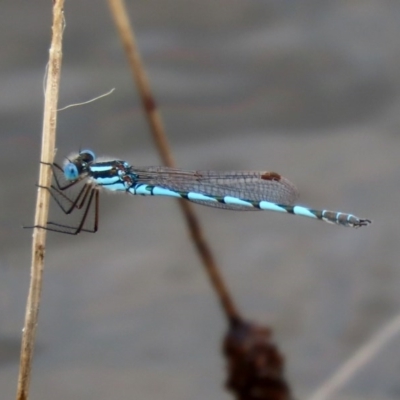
(233, 190)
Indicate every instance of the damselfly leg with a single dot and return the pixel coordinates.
(90, 194)
(84, 200)
(59, 195)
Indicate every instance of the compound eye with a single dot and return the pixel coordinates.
(87, 156)
(71, 173)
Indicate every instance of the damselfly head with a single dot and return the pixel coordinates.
(71, 172)
(78, 164)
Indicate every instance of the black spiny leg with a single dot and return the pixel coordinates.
(83, 200)
(71, 230)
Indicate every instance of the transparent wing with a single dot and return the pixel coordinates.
(246, 185)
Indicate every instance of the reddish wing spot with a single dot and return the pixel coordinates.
(271, 176)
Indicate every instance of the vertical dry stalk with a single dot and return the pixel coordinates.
(154, 119)
(42, 203)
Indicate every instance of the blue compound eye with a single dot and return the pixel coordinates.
(87, 156)
(71, 172)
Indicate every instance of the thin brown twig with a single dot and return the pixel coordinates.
(127, 37)
(42, 202)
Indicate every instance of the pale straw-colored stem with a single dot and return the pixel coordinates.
(42, 202)
(357, 361)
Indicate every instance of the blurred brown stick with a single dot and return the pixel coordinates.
(127, 36)
(42, 202)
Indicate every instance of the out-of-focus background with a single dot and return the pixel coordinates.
(310, 89)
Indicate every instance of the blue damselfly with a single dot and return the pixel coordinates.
(232, 190)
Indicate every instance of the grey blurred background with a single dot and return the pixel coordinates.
(310, 89)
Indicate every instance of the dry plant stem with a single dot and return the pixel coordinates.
(358, 361)
(126, 33)
(42, 203)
